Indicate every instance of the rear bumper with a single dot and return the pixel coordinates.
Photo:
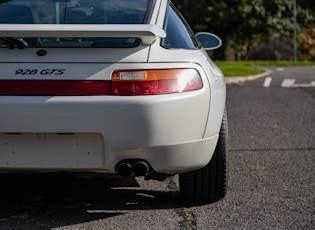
(173, 159)
(95, 133)
(84, 152)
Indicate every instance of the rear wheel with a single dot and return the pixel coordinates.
(210, 182)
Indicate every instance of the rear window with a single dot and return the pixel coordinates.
(76, 12)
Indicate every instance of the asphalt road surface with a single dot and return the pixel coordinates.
(271, 174)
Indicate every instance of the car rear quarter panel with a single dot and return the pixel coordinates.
(213, 78)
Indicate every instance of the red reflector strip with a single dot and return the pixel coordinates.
(54, 88)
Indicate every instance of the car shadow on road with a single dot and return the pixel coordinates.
(61, 199)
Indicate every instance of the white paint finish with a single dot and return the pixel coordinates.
(84, 152)
(137, 121)
(71, 71)
(184, 156)
(147, 32)
(155, 13)
(53, 151)
(162, 11)
(76, 55)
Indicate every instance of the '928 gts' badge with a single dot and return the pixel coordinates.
(40, 72)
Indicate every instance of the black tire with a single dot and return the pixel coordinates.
(210, 182)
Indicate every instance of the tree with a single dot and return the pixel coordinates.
(307, 46)
(244, 22)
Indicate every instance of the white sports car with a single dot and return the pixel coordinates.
(118, 86)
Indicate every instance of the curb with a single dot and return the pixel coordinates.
(241, 79)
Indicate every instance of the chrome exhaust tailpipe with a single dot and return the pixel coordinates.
(128, 168)
(141, 168)
(124, 170)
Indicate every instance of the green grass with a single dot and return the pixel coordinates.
(247, 68)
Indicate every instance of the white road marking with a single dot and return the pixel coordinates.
(280, 69)
(267, 82)
(288, 83)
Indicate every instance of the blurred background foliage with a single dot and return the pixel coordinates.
(254, 29)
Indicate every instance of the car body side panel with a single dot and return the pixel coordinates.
(213, 75)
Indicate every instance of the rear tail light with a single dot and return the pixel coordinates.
(122, 83)
(154, 82)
